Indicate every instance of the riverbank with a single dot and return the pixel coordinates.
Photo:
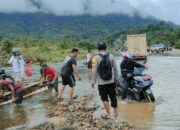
(78, 115)
(174, 52)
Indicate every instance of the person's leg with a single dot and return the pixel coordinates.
(71, 87)
(56, 87)
(61, 90)
(22, 76)
(89, 74)
(19, 96)
(107, 108)
(112, 96)
(17, 76)
(125, 89)
(104, 97)
(49, 87)
(71, 92)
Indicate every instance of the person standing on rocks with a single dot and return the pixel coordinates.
(17, 63)
(105, 74)
(67, 73)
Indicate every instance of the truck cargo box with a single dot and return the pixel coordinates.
(137, 46)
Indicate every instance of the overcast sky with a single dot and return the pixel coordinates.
(168, 10)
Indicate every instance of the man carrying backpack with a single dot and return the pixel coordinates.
(105, 74)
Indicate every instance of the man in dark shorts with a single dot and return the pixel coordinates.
(105, 74)
(67, 73)
(50, 75)
(15, 89)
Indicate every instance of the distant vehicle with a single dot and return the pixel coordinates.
(158, 48)
(162, 47)
(169, 48)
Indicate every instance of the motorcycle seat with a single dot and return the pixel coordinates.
(147, 77)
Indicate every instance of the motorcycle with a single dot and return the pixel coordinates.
(139, 88)
(5, 76)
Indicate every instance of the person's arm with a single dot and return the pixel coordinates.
(12, 91)
(123, 69)
(76, 72)
(114, 65)
(10, 61)
(2, 93)
(136, 64)
(94, 70)
(55, 77)
(23, 62)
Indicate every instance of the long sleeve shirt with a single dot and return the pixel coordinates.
(95, 64)
(128, 67)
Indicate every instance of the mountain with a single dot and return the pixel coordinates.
(49, 26)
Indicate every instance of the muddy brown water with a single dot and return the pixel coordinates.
(163, 115)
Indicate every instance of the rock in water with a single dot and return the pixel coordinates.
(56, 120)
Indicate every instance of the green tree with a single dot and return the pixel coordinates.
(7, 46)
(177, 44)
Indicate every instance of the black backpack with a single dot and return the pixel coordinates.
(105, 67)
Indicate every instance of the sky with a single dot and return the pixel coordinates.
(162, 9)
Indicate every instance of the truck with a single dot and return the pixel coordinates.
(137, 46)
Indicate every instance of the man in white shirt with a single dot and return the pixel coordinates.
(17, 63)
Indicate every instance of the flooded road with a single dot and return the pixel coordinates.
(164, 114)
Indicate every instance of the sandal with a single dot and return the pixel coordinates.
(75, 97)
(60, 98)
(104, 116)
(115, 115)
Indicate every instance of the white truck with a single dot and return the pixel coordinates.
(137, 46)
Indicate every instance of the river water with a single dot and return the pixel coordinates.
(163, 115)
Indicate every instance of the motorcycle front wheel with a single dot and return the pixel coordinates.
(149, 97)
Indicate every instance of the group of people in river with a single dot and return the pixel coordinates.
(102, 69)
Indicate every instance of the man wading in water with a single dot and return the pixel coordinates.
(105, 74)
(70, 67)
(14, 88)
(50, 75)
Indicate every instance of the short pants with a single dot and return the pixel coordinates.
(68, 80)
(55, 86)
(108, 91)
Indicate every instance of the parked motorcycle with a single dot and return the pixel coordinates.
(5, 76)
(140, 86)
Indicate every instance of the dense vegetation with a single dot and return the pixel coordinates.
(53, 28)
(50, 38)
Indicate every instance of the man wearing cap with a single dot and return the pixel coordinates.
(67, 73)
(50, 75)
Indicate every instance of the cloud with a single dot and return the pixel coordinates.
(21, 6)
(162, 9)
(67, 7)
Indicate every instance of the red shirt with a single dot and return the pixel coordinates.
(49, 73)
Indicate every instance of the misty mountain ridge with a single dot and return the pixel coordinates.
(50, 26)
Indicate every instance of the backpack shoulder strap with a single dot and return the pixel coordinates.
(101, 55)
